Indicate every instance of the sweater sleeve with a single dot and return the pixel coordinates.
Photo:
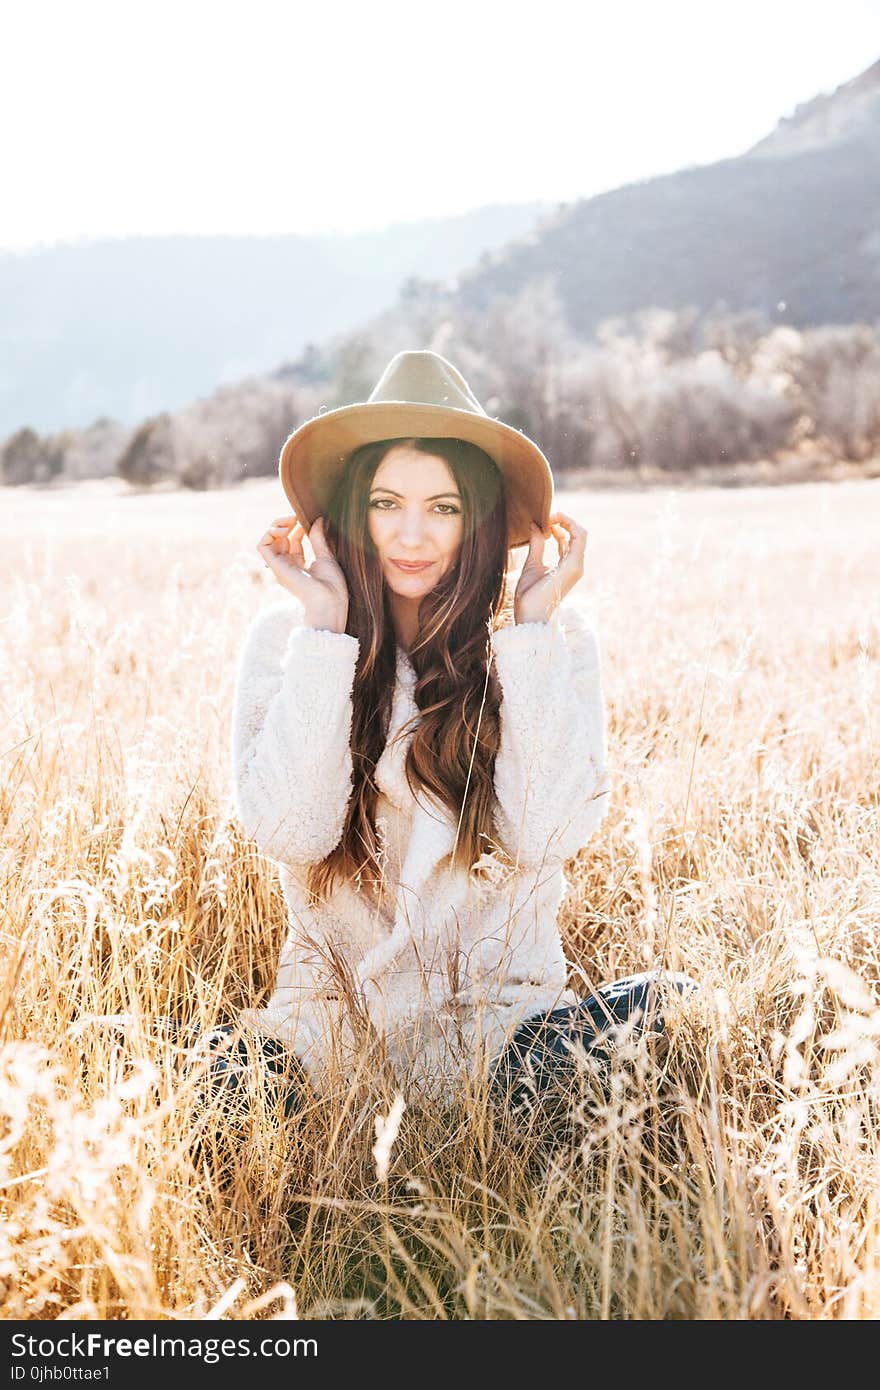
(551, 778)
(291, 730)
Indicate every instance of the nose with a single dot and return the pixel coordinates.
(412, 531)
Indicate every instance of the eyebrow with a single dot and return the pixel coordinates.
(435, 498)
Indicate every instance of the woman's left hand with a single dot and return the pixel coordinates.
(541, 588)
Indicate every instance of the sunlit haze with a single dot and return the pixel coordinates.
(277, 118)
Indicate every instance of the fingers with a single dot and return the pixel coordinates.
(536, 545)
(561, 524)
(294, 540)
(563, 542)
(571, 538)
(282, 540)
(317, 539)
(275, 540)
(569, 534)
(279, 527)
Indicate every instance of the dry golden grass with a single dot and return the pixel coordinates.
(735, 1176)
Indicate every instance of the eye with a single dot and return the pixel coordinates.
(383, 503)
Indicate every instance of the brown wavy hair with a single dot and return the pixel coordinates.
(455, 740)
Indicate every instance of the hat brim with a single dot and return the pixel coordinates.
(314, 455)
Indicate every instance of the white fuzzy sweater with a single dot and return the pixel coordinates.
(447, 967)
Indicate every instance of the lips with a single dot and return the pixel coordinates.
(412, 568)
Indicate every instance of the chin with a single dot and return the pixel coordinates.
(400, 583)
(411, 590)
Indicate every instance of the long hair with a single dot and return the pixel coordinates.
(457, 693)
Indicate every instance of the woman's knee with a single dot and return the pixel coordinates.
(668, 980)
(236, 1063)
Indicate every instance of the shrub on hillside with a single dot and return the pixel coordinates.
(27, 458)
(150, 455)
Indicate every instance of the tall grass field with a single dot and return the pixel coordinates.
(732, 1173)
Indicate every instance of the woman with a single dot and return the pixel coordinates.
(419, 753)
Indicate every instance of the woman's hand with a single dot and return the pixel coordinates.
(320, 587)
(541, 589)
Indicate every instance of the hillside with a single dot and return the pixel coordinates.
(791, 229)
(129, 327)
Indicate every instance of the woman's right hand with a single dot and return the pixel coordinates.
(320, 587)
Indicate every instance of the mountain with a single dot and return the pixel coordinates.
(790, 228)
(787, 233)
(128, 327)
(852, 109)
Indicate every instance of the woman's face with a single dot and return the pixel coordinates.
(415, 514)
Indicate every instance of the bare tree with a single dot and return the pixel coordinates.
(835, 376)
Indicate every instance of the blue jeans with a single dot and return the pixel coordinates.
(540, 1057)
(230, 1061)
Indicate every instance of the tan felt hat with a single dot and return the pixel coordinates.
(419, 395)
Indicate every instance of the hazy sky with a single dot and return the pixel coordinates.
(311, 115)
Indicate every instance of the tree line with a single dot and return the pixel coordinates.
(661, 390)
